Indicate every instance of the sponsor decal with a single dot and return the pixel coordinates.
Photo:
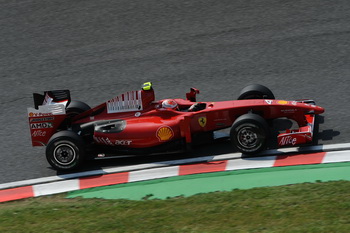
(202, 121)
(269, 101)
(282, 102)
(42, 119)
(127, 102)
(108, 142)
(220, 119)
(123, 142)
(43, 125)
(40, 114)
(39, 133)
(164, 133)
(290, 110)
(288, 140)
(294, 102)
(103, 140)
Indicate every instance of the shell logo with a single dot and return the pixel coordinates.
(282, 102)
(164, 133)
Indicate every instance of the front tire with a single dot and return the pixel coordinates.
(65, 151)
(255, 91)
(249, 134)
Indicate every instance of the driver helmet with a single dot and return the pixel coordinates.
(169, 104)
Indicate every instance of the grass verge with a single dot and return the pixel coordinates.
(319, 207)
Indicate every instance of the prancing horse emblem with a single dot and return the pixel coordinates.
(202, 121)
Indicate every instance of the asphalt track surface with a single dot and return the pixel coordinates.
(98, 49)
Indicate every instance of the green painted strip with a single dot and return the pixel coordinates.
(219, 181)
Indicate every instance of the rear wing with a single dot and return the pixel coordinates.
(47, 115)
(52, 97)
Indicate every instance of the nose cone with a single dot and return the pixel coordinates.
(310, 108)
(317, 109)
(320, 110)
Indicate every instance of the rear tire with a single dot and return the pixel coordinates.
(249, 134)
(73, 109)
(65, 151)
(256, 91)
(76, 107)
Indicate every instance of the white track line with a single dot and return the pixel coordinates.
(230, 156)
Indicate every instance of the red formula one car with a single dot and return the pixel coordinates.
(135, 123)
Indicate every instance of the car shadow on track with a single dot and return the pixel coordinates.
(222, 146)
(325, 135)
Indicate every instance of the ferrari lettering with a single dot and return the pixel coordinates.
(44, 125)
(288, 140)
(290, 110)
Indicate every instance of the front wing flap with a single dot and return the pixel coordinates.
(302, 135)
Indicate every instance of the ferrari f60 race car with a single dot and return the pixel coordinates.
(135, 123)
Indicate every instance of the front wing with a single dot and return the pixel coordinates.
(303, 135)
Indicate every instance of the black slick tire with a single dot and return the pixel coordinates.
(65, 151)
(256, 91)
(76, 107)
(249, 134)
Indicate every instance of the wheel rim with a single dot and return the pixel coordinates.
(248, 138)
(64, 154)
